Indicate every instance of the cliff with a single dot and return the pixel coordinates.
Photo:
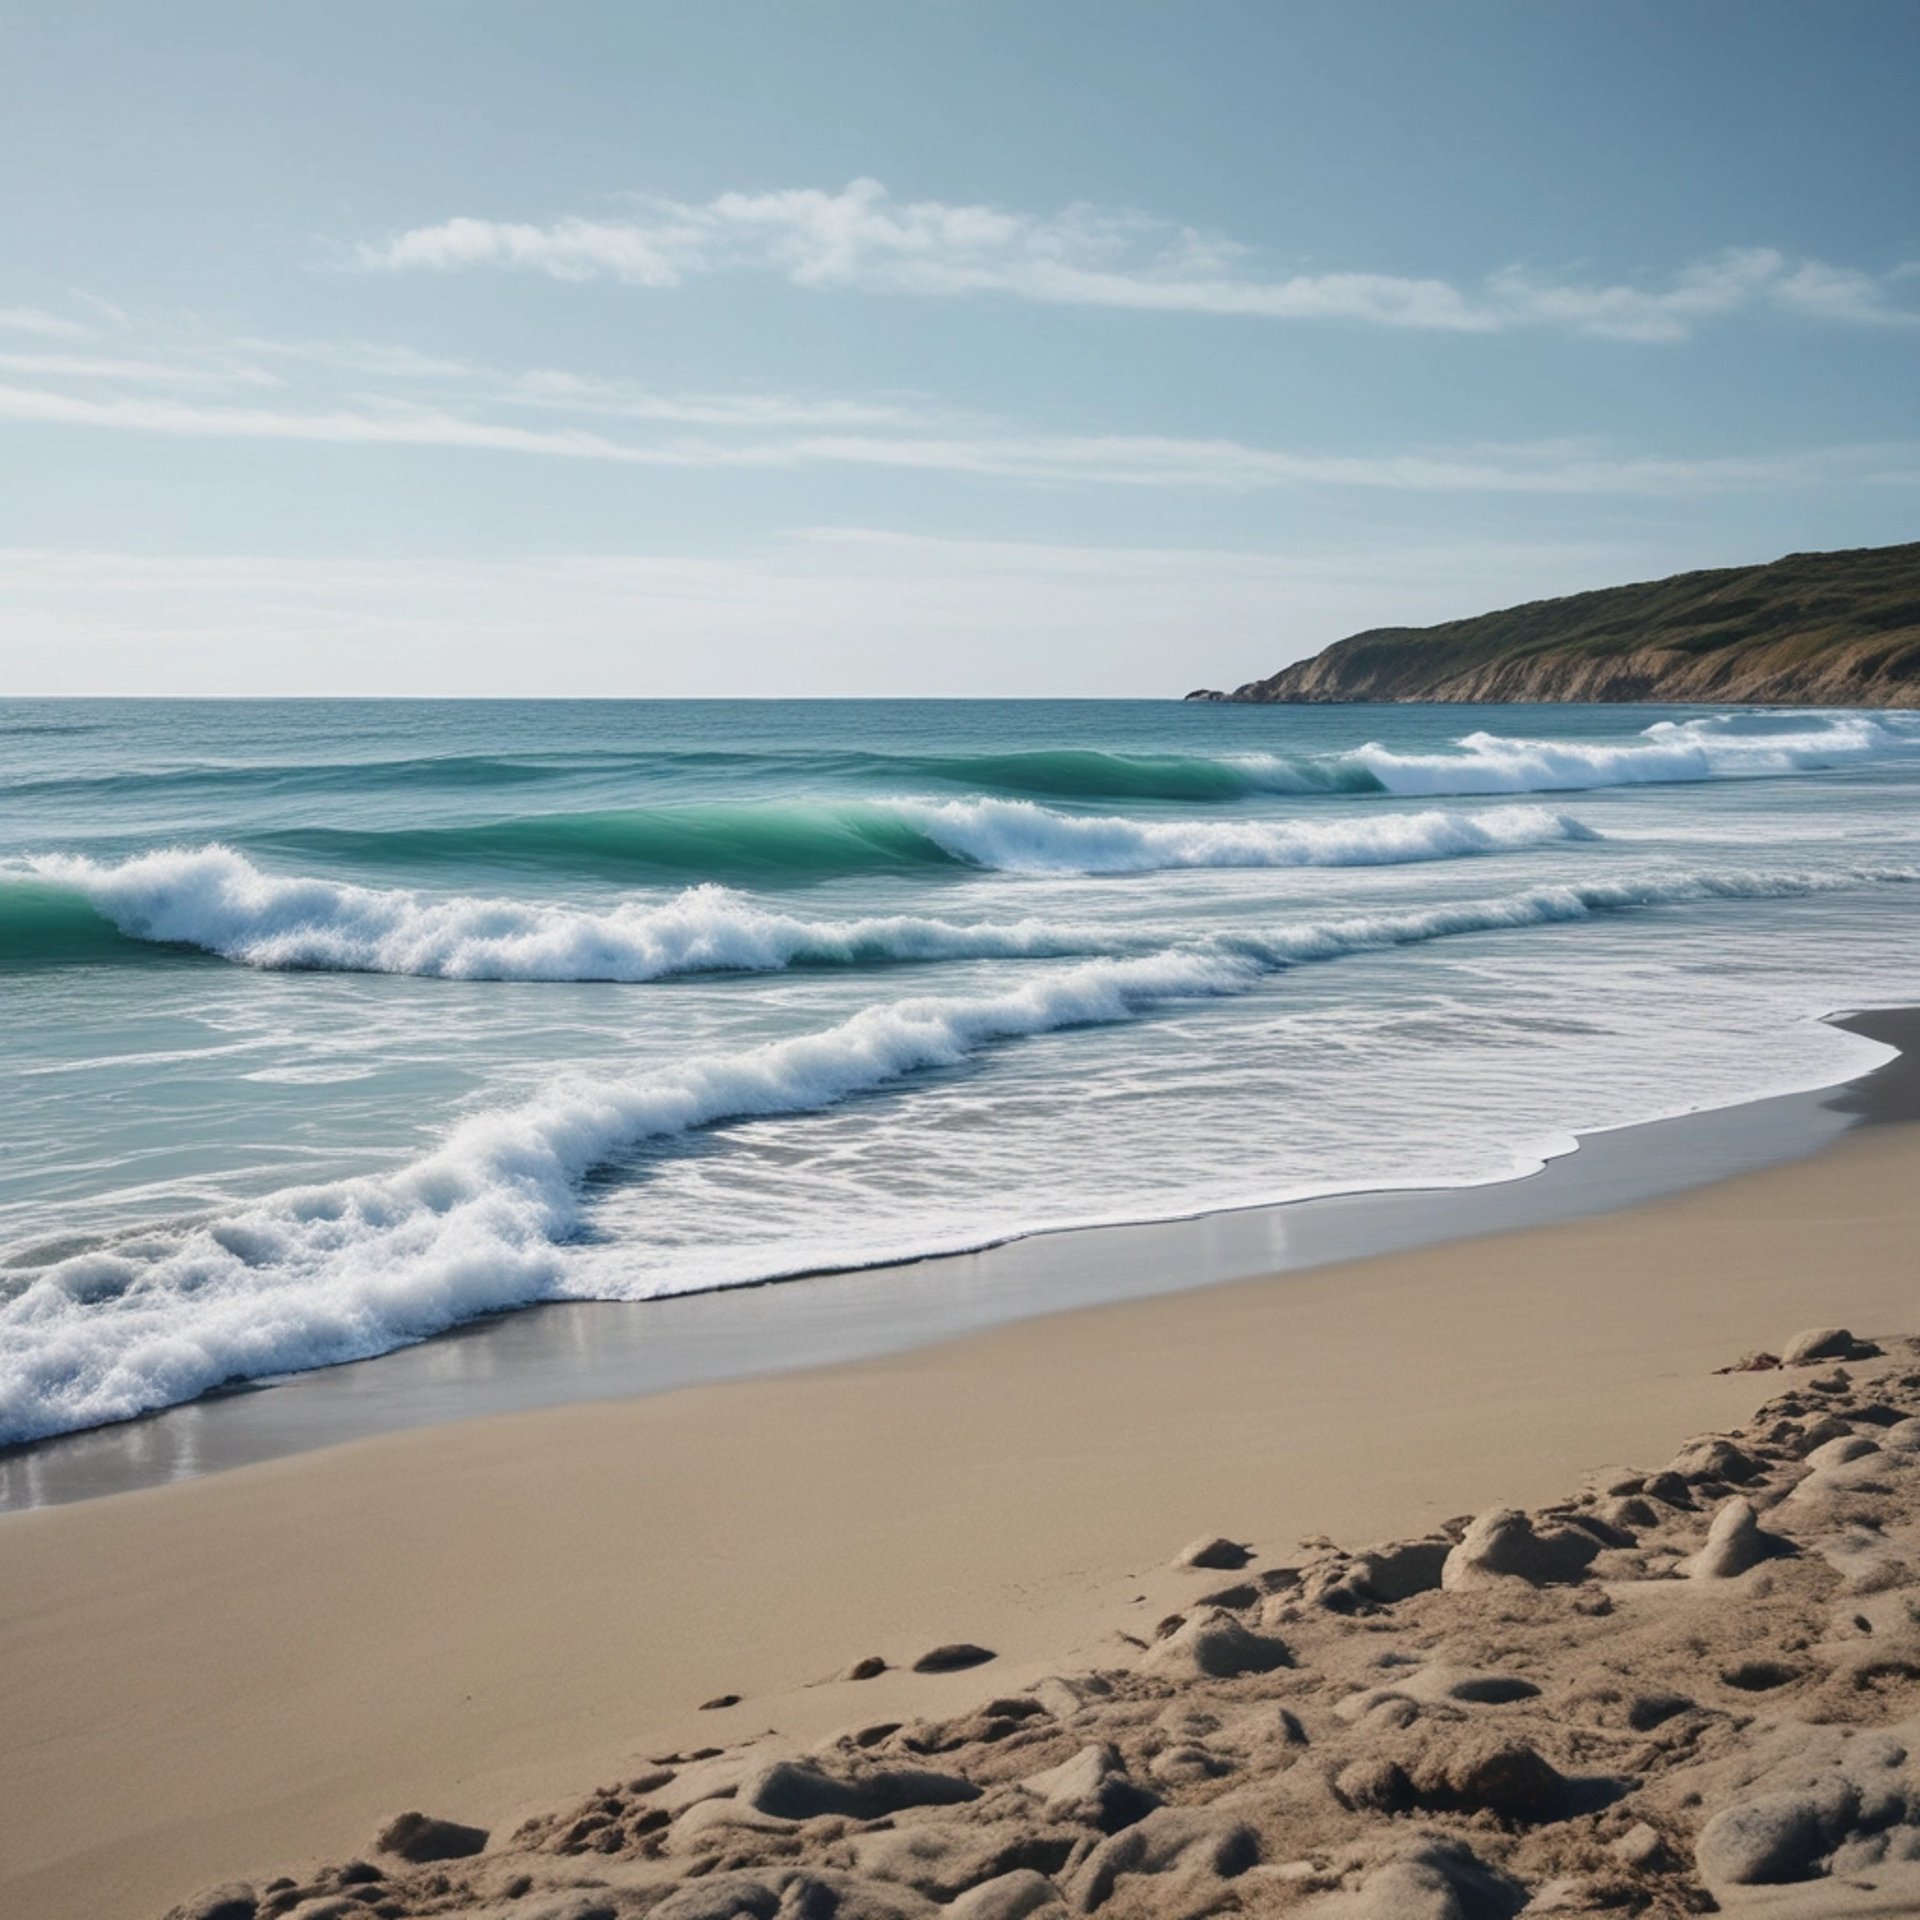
(1813, 629)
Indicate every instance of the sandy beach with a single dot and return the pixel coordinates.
(225, 1678)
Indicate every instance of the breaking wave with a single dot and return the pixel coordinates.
(1668, 751)
(318, 1275)
(811, 840)
(218, 901)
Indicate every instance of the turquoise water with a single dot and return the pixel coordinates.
(324, 1026)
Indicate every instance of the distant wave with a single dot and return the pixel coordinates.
(318, 1275)
(1086, 773)
(801, 840)
(1666, 752)
(1711, 747)
(1718, 746)
(459, 771)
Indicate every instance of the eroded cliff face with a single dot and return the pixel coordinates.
(1855, 679)
(1837, 629)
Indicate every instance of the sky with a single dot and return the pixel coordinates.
(922, 347)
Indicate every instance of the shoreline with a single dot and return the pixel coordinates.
(229, 1675)
(559, 1353)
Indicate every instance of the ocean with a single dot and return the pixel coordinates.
(327, 1026)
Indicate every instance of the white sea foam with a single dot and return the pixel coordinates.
(323, 1274)
(218, 900)
(215, 898)
(1016, 836)
(1667, 751)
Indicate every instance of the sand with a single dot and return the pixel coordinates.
(1692, 1689)
(237, 1675)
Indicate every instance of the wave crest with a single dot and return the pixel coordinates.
(809, 840)
(324, 1274)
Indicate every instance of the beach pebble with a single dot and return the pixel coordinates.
(1213, 1645)
(1506, 1778)
(1643, 1847)
(952, 1657)
(1819, 1343)
(871, 1668)
(1668, 1488)
(750, 1896)
(720, 1822)
(1190, 1840)
(1378, 1576)
(1714, 1458)
(1735, 1542)
(1215, 1552)
(718, 1701)
(1505, 1544)
(1775, 1837)
(1839, 1450)
(943, 1858)
(1065, 1697)
(418, 1838)
(722, 1896)
(800, 1790)
(1092, 1788)
(1628, 1512)
(1374, 1785)
(1009, 1896)
(234, 1901)
(1432, 1880)
(1816, 1434)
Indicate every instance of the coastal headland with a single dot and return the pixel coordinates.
(1811, 629)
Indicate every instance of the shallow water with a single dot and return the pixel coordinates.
(325, 1026)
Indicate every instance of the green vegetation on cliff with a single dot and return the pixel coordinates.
(1814, 629)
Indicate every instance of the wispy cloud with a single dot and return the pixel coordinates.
(181, 381)
(47, 326)
(861, 237)
(100, 367)
(989, 451)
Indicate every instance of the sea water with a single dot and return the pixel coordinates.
(325, 1026)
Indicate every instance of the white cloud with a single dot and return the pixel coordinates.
(861, 237)
(767, 441)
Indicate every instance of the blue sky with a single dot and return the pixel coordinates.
(1059, 347)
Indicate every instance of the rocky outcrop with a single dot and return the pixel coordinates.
(1813, 629)
(1460, 1726)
